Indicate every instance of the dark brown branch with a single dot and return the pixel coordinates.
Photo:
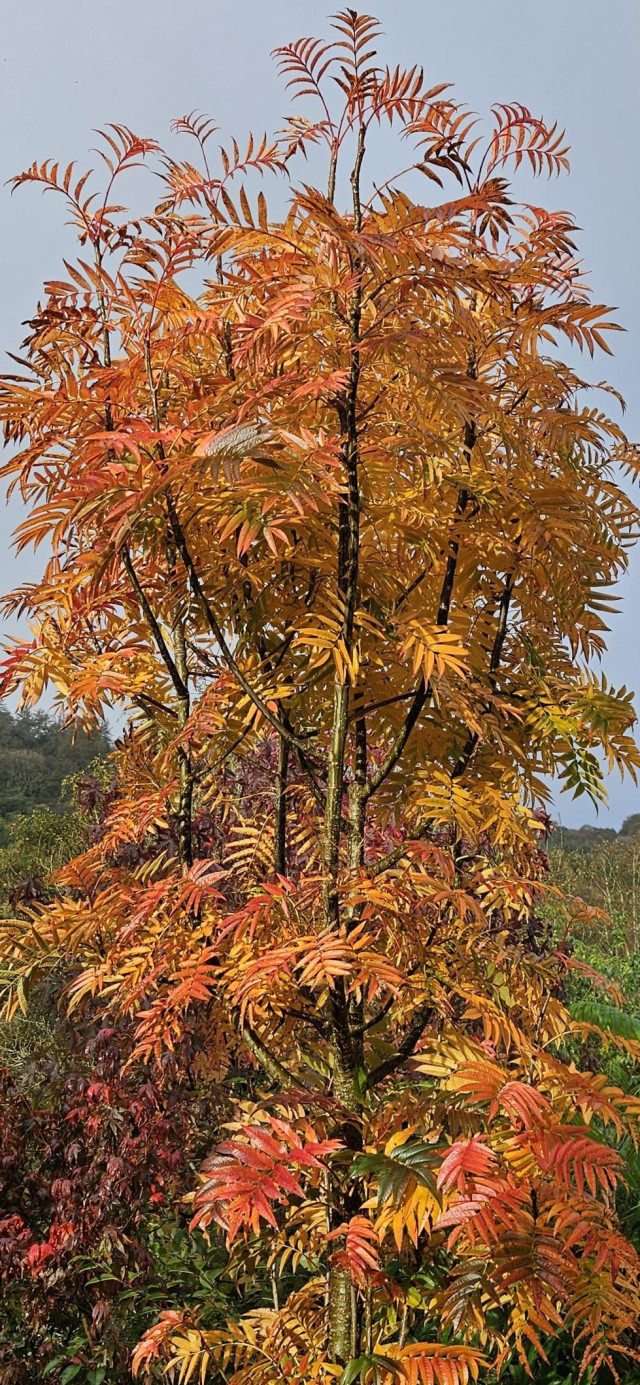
(422, 692)
(224, 755)
(340, 1316)
(391, 859)
(417, 581)
(405, 1047)
(185, 803)
(390, 1002)
(314, 1020)
(503, 616)
(210, 618)
(464, 758)
(267, 1060)
(309, 770)
(348, 572)
(145, 700)
(375, 706)
(178, 673)
(390, 761)
(494, 664)
(161, 644)
(227, 344)
(280, 841)
(380, 1014)
(454, 546)
(469, 441)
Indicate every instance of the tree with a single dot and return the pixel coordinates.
(338, 527)
(38, 754)
(568, 839)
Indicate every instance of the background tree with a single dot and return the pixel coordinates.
(339, 528)
(38, 753)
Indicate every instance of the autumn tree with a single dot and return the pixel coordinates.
(332, 519)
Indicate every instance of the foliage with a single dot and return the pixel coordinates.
(602, 871)
(33, 1045)
(91, 1246)
(87, 1253)
(38, 754)
(607, 878)
(338, 527)
(37, 845)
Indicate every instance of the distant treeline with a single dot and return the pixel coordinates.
(36, 755)
(586, 837)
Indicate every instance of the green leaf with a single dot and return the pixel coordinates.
(606, 1017)
(70, 1373)
(359, 1366)
(394, 1172)
(353, 1369)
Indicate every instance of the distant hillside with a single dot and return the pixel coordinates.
(583, 838)
(36, 755)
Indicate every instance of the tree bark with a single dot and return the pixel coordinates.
(342, 1325)
(280, 842)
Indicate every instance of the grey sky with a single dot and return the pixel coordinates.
(69, 66)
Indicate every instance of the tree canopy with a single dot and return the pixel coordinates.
(335, 522)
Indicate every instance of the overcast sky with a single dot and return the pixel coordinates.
(71, 66)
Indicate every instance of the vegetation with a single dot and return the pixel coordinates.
(606, 875)
(584, 838)
(37, 754)
(336, 525)
(95, 1159)
(138, 1257)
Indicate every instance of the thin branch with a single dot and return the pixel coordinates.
(226, 328)
(387, 862)
(162, 646)
(209, 616)
(404, 1325)
(317, 1023)
(145, 698)
(423, 691)
(390, 761)
(224, 755)
(185, 805)
(392, 857)
(405, 1047)
(267, 1060)
(408, 590)
(280, 805)
(388, 1005)
(380, 1014)
(503, 615)
(494, 664)
(358, 712)
(452, 559)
